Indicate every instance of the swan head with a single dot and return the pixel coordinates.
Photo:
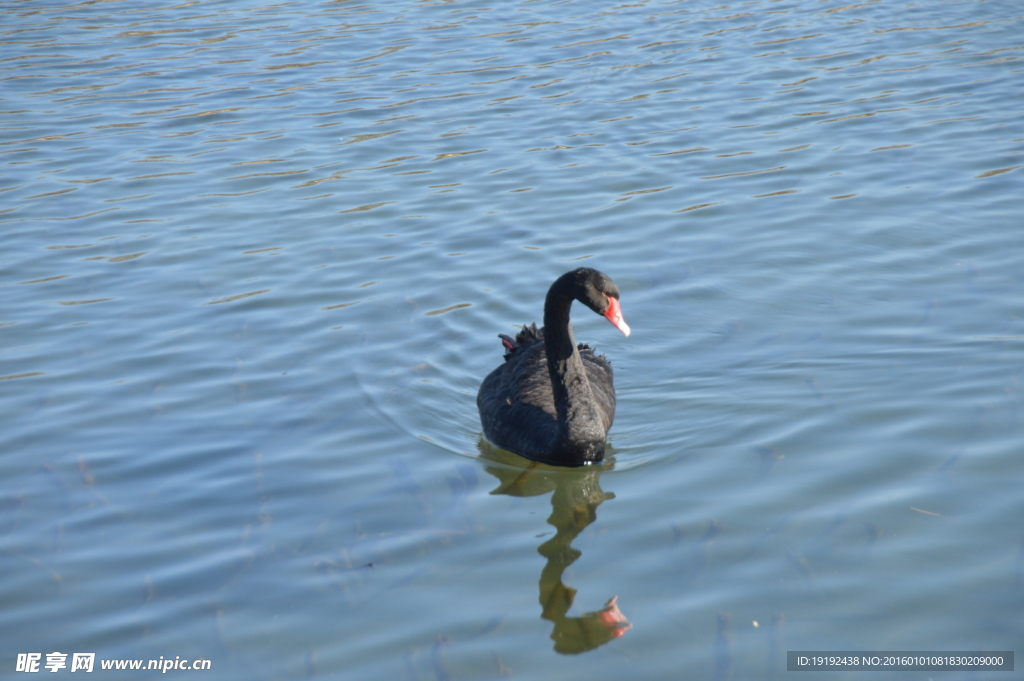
(597, 291)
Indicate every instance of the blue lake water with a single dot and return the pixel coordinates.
(254, 259)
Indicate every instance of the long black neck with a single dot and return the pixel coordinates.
(579, 423)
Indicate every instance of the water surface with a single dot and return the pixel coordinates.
(255, 259)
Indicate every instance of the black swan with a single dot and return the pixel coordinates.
(552, 401)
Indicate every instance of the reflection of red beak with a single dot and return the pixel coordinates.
(614, 315)
(612, 617)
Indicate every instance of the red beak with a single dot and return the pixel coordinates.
(614, 315)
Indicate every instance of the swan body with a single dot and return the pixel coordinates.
(552, 400)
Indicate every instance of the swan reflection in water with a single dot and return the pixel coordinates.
(576, 494)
